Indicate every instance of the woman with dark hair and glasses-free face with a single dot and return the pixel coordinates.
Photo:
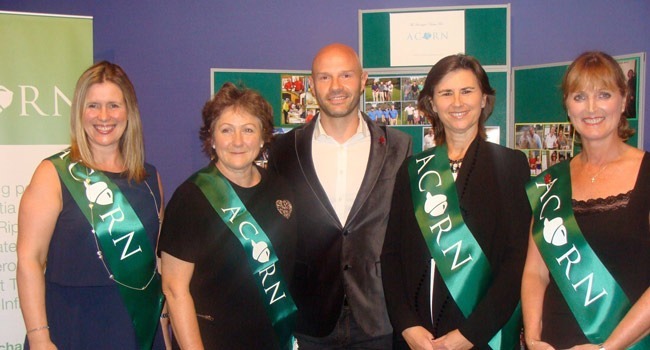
(227, 244)
(586, 283)
(455, 246)
(89, 223)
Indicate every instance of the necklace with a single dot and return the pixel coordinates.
(593, 178)
(455, 165)
(100, 255)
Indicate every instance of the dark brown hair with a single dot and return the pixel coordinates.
(436, 74)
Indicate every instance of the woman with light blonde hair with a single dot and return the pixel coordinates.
(586, 282)
(88, 225)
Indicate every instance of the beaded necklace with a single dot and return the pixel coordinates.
(100, 255)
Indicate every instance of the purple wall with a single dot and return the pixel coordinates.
(168, 48)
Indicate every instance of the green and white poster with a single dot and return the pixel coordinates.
(42, 56)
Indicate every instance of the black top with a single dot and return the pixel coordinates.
(617, 230)
(494, 206)
(229, 306)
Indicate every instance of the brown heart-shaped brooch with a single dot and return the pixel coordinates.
(284, 207)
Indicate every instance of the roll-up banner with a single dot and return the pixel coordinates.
(42, 56)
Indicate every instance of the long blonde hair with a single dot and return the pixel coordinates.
(131, 144)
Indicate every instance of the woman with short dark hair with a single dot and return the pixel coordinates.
(227, 243)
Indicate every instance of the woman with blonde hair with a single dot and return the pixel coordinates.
(586, 282)
(88, 225)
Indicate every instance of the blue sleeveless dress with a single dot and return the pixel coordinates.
(84, 307)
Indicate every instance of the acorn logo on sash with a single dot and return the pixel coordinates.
(555, 232)
(261, 252)
(435, 205)
(99, 193)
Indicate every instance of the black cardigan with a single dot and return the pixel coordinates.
(495, 208)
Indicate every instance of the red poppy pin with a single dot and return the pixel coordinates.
(547, 179)
(382, 140)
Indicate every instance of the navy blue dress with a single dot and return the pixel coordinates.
(84, 307)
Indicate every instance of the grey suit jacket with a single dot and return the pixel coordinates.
(336, 261)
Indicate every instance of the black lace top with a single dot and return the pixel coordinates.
(618, 231)
(601, 205)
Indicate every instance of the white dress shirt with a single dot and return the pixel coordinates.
(340, 167)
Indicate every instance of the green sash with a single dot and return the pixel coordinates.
(261, 255)
(596, 300)
(123, 241)
(458, 256)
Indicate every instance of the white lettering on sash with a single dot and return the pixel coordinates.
(270, 271)
(117, 215)
(113, 218)
(553, 197)
(234, 211)
(275, 286)
(441, 229)
(548, 188)
(246, 229)
(570, 262)
(424, 161)
(431, 172)
(71, 166)
(458, 246)
(445, 224)
(64, 154)
(590, 278)
(242, 227)
(126, 247)
(572, 255)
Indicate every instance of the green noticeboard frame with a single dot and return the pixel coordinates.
(267, 82)
(499, 117)
(487, 34)
(487, 37)
(538, 95)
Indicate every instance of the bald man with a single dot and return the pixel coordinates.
(343, 168)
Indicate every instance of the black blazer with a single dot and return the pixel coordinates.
(494, 205)
(335, 260)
